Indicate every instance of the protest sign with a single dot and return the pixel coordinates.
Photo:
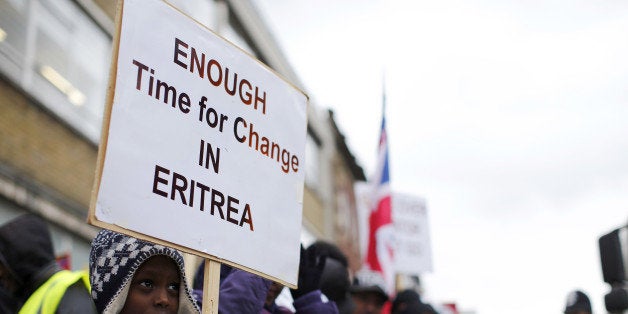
(202, 145)
(413, 250)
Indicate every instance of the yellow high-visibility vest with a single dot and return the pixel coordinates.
(47, 297)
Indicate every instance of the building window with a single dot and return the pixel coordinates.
(58, 55)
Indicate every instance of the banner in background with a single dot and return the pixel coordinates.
(413, 250)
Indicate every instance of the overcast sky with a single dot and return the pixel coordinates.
(509, 117)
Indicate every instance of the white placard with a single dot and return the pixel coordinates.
(413, 251)
(412, 244)
(205, 145)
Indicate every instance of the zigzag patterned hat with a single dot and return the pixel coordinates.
(114, 259)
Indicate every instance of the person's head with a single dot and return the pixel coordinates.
(368, 301)
(25, 249)
(406, 301)
(129, 275)
(335, 278)
(368, 293)
(330, 250)
(155, 284)
(577, 303)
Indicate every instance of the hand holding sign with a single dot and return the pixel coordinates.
(311, 268)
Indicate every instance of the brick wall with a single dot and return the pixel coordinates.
(41, 148)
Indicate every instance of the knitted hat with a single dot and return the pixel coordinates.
(113, 261)
(577, 301)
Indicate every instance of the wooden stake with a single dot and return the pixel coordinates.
(211, 287)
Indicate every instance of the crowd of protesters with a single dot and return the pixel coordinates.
(130, 275)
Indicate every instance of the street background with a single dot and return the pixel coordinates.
(509, 117)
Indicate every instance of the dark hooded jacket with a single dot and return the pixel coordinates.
(8, 303)
(27, 251)
(335, 285)
(244, 292)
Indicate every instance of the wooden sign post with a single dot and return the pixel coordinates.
(211, 286)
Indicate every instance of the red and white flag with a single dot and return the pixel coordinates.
(380, 248)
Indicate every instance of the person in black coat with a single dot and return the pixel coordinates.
(28, 262)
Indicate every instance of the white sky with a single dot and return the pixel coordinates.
(509, 117)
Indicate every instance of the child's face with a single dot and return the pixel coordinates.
(154, 288)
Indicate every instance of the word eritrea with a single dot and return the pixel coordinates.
(214, 71)
(185, 189)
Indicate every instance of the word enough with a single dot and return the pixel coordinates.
(218, 75)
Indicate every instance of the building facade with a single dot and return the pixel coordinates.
(54, 68)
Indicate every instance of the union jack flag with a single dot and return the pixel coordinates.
(380, 250)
